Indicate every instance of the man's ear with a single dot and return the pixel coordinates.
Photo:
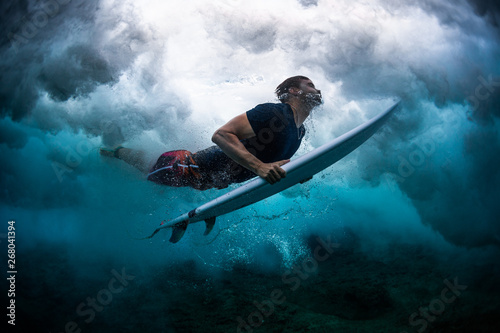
(294, 91)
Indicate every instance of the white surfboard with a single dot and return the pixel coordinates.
(297, 171)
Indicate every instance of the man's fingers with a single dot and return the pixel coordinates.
(277, 172)
(280, 163)
(275, 176)
(281, 172)
(272, 176)
(270, 179)
(274, 172)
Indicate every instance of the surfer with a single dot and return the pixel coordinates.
(257, 142)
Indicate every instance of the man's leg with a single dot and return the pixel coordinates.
(135, 158)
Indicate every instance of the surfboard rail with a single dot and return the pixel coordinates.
(298, 170)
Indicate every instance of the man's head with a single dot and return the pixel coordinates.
(301, 87)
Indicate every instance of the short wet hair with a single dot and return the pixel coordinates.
(292, 82)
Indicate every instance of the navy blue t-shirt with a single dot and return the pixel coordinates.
(276, 138)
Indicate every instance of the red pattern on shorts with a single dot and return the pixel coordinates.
(176, 168)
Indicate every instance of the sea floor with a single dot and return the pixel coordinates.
(335, 289)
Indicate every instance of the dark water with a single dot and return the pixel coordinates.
(409, 288)
(400, 236)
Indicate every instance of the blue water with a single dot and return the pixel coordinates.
(402, 235)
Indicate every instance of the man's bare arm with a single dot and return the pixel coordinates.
(228, 139)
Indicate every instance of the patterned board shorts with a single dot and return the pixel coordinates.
(176, 168)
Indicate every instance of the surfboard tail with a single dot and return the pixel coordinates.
(179, 229)
(150, 236)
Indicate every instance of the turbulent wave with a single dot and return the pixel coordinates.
(77, 75)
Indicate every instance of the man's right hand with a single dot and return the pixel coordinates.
(272, 172)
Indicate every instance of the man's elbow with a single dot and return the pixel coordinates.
(217, 136)
(223, 137)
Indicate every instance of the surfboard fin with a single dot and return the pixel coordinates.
(210, 225)
(178, 231)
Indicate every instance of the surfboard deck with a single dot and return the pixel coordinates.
(298, 170)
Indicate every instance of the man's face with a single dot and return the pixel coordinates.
(309, 94)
